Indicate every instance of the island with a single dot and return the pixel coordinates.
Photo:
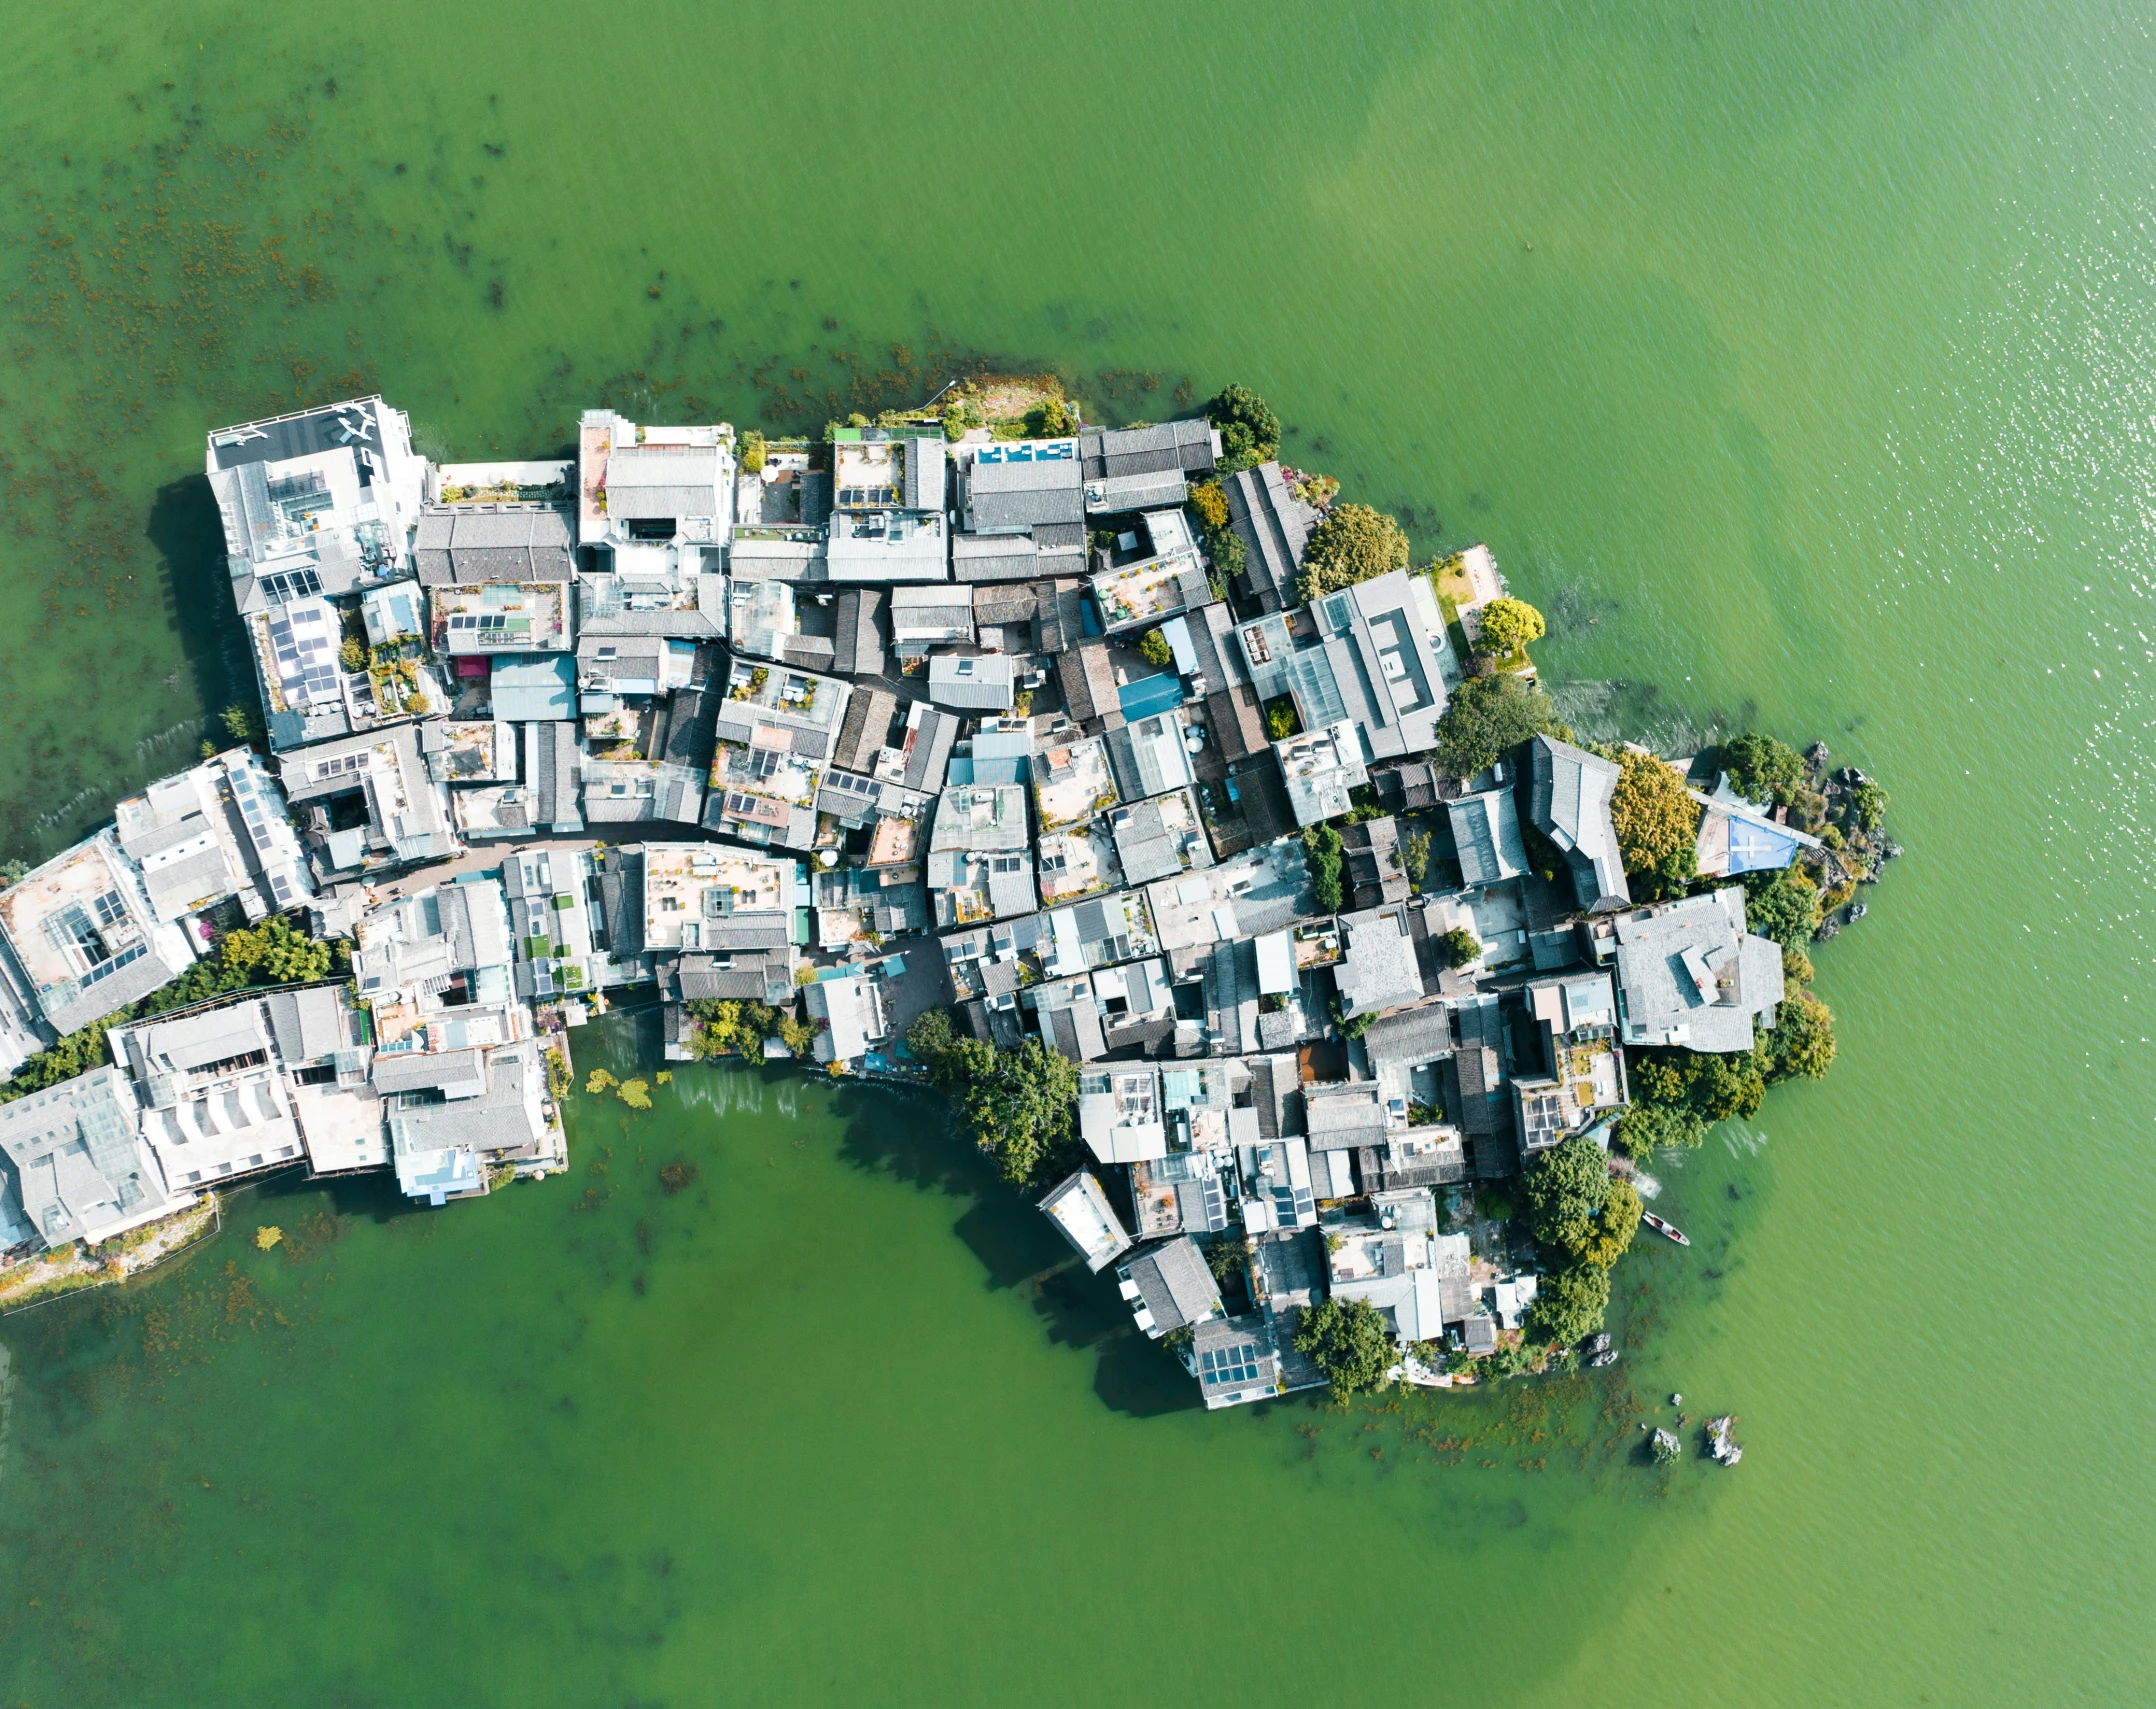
(1231, 876)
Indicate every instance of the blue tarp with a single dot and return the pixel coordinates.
(1754, 847)
(1150, 696)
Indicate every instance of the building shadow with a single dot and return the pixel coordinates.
(189, 536)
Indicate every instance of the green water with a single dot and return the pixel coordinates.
(1822, 395)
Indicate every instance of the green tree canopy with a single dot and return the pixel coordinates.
(1609, 1236)
(1488, 715)
(1565, 1189)
(1784, 907)
(1646, 1128)
(1249, 431)
(1569, 1306)
(1348, 1341)
(1155, 649)
(1321, 854)
(1351, 545)
(1656, 820)
(1871, 806)
(1508, 625)
(1017, 1106)
(1801, 1041)
(1712, 1085)
(1458, 947)
(1763, 769)
(930, 1035)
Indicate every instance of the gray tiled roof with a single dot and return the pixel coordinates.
(1185, 447)
(1410, 1038)
(859, 650)
(926, 465)
(1572, 790)
(994, 558)
(1175, 1284)
(1275, 528)
(1088, 677)
(1005, 496)
(514, 543)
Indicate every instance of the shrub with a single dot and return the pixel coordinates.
(754, 453)
(1280, 719)
(1487, 716)
(1352, 544)
(1155, 649)
(1051, 418)
(1318, 491)
(1508, 625)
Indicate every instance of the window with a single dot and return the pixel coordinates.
(110, 909)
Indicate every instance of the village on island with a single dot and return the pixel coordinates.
(1231, 876)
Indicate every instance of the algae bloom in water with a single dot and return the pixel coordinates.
(268, 1235)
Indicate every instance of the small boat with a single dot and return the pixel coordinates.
(1668, 1230)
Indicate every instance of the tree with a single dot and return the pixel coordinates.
(1565, 1189)
(1348, 1341)
(1321, 855)
(1018, 1107)
(1458, 947)
(1351, 545)
(1646, 1128)
(1610, 1234)
(1051, 418)
(1784, 907)
(754, 453)
(1154, 649)
(1870, 806)
(1211, 503)
(1227, 552)
(1249, 431)
(1488, 715)
(1763, 769)
(1280, 721)
(1801, 1041)
(929, 1037)
(798, 1036)
(1569, 1306)
(1508, 625)
(1713, 1085)
(1656, 820)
